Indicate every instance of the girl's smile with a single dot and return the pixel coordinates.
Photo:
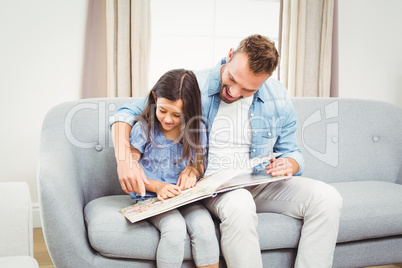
(169, 114)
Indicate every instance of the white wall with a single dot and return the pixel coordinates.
(41, 58)
(370, 50)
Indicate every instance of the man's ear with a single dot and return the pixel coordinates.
(153, 94)
(230, 54)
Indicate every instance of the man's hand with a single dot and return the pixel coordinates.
(187, 178)
(165, 190)
(132, 177)
(282, 166)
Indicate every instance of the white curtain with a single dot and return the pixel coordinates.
(306, 47)
(128, 47)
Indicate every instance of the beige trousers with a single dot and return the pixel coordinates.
(317, 203)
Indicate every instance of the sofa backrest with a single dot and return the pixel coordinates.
(341, 140)
(76, 138)
(350, 139)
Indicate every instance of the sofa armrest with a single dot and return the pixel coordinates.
(16, 228)
(61, 196)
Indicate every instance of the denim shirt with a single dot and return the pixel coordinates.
(158, 157)
(272, 115)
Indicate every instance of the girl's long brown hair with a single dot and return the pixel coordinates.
(174, 85)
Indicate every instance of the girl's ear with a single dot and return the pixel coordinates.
(153, 94)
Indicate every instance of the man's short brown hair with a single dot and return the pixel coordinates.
(262, 54)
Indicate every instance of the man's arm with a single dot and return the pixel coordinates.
(121, 125)
(291, 162)
(131, 180)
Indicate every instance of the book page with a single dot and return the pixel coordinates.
(204, 188)
(249, 179)
(153, 206)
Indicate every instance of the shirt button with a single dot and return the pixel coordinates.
(269, 134)
(335, 140)
(375, 139)
(253, 150)
(255, 131)
(251, 115)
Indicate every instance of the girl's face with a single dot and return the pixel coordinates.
(169, 113)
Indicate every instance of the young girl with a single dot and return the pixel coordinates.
(169, 138)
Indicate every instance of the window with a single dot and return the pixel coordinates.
(196, 34)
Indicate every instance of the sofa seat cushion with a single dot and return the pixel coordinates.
(371, 209)
(276, 231)
(112, 235)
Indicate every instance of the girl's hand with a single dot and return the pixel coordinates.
(166, 190)
(280, 166)
(187, 178)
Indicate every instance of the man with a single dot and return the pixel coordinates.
(249, 115)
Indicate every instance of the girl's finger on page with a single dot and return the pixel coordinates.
(170, 194)
(192, 183)
(174, 191)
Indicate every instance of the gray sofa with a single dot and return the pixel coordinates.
(355, 145)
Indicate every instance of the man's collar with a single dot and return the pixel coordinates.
(215, 78)
(262, 93)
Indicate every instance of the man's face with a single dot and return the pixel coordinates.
(237, 79)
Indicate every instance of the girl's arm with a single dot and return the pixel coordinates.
(163, 190)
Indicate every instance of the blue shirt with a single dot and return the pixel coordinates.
(272, 115)
(158, 157)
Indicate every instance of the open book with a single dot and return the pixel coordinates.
(221, 181)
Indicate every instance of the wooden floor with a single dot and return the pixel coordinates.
(40, 251)
(42, 256)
